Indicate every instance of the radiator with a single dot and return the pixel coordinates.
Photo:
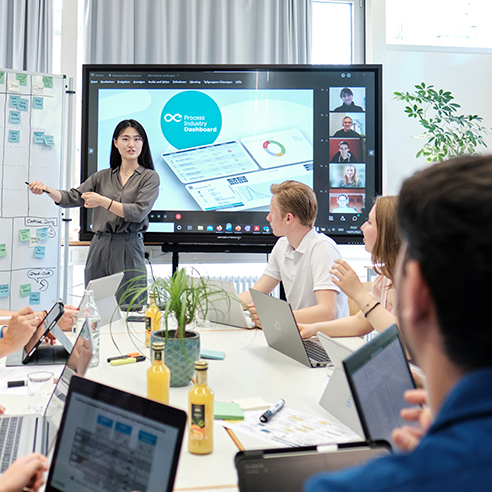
(244, 283)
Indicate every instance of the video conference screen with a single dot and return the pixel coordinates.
(221, 135)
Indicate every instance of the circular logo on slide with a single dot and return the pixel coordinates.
(272, 147)
(191, 119)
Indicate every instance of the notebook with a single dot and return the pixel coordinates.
(24, 434)
(287, 469)
(282, 334)
(110, 440)
(378, 375)
(337, 397)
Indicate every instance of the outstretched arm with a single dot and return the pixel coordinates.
(26, 473)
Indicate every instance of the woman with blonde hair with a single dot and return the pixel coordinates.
(376, 307)
(350, 178)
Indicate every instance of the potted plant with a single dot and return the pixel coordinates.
(182, 299)
(447, 133)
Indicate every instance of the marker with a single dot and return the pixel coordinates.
(133, 354)
(15, 384)
(44, 191)
(272, 411)
(127, 360)
(4, 319)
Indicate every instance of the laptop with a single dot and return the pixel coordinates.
(378, 374)
(24, 434)
(282, 334)
(104, 289)
(110, 440)
(337, 397)
(287, 469)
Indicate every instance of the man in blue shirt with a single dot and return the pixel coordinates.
(443, 283)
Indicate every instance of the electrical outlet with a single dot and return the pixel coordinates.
(148, 253)
(82, 255)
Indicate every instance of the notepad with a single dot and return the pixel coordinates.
(227, 411)
(212, 354)
(255, 403)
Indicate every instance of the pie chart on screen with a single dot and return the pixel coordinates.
(274, 148)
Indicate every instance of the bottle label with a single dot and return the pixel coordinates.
(197, 428)
(148, 325)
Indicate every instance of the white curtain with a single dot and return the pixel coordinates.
(197, 31)
(26, 40)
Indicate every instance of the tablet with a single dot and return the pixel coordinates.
(51, 318)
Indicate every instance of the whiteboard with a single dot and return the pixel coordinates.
(31, 148)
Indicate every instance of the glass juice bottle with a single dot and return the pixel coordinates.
(152, 319)
(201, 412)
(158, 376)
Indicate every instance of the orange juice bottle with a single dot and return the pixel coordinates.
(201, 412)
(158, 376)
(152, 319)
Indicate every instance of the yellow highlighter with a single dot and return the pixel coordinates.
(127, 360)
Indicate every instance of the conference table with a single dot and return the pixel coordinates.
(249, 369)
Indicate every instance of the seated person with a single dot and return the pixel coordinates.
(350, 178)
(18, 331)
(442, 215)
(301, 258)
(66, 322)
(343, 154)
(348, 106)
(26, 473)
(347, 131)
(376, 308)
(342, 201)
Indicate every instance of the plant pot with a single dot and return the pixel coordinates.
(182, 370)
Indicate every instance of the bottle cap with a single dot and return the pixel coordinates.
(201, 365)
(157, 345)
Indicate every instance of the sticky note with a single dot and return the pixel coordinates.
(37, 102)
(2, 77)
(42, 233)
(48, 82)
(24, 234)
(22, 78)
(25, 290)
(212, 354)
(49, 140)
(13, 86)
(39, 252)
(35, 298)
(23, 104)
(227, 411)
(254, 403)
(3, 250)
(34, 241)
(14, 116)
(4, 290)
(13, 101)
(14, 136)
(38, 137)
(37, 88)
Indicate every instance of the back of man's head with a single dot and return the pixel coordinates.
(298, 199)
(445, 217)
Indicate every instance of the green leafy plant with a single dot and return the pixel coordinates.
(448, 134)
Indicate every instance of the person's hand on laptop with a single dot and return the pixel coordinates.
(307, 330)
(254, 315)
(26, 473)
(19, 330)
(408, 438)
(67, 321)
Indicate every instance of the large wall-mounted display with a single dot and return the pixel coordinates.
(221, 135)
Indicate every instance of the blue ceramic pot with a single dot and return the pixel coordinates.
(182, 368)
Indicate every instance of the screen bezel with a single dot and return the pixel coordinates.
(213, 239)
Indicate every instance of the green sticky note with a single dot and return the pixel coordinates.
(25, 290)
(227, 411)
(48, 82)
(2, 77)
(22, 78)
(3, 250)
(35, 298)
(24, 235)
(4, 290)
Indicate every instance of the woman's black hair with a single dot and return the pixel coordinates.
(145, 157)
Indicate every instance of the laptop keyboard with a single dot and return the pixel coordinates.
(316, 352)
(10, 431)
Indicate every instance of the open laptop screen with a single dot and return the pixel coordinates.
(378, 375)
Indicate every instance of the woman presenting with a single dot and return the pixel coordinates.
(122, 197)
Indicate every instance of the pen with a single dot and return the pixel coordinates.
(127, 360)
(44, 191)
(133, 354)
(3, 319)
(272, 411)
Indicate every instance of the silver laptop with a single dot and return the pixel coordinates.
(282, 334)
(337, 397)
(28, 433)
(104, 289)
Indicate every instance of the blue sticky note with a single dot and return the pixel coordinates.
(23, 104)
(49, 140)
(35, 298)
(37, 102)
(4, 290)
(43, 233)
(39, 252)
(13, 101)
(14, 136)
(14, 116)
(38, 137)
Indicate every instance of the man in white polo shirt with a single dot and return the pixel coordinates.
(301, 258)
